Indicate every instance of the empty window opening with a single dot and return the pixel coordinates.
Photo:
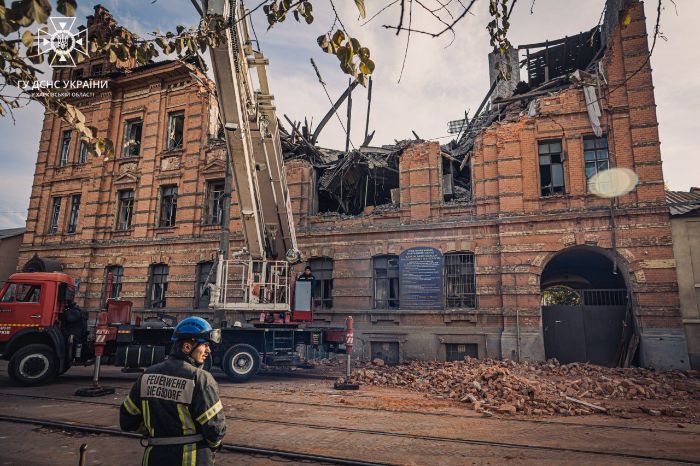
(74, 214)
(456, 183)
(460, 280)
(65, 149)
(386, 282)
(168, 205)
(176, 124)
(206, 274)
(117, 272)
(322, 270)
(125, 209)
(214, 202)
(551, 168)
(157, 286)
(83, 151)
(132, 138)
(459, 351)
(55, 214)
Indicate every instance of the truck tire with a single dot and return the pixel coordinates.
(33, 365)
(241, 363)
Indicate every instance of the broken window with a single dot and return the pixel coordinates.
(74, 213)
(65, 149)
(96, 70)
(132, 138)
(176, 124)
(386, 282)
(459, 351)
(125, 209)
(168, 205)
(157, 286)
(460, 280)
(214, 202)
(205, 275)
(322, 269)
(117, 272)
(456, 182)
(83, 152)
(77, 74)
(55, 213)
(596, 155)
(551, 167)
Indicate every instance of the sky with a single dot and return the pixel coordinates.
(442, 77)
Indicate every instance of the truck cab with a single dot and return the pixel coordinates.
(32, 324)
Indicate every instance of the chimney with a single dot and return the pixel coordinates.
(507, 67)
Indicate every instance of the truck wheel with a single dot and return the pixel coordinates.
(241, 363)
(33, 365)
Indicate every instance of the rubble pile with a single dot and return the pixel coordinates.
(546, 388)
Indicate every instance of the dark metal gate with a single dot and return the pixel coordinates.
(589, 332)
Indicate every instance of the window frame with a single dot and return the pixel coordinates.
(389, 279)
(167, 215)
(553, 190)
(120, 204)
(199, 300)
(169, 136)
(595, 161)
(83, 149)
(322, 293)
(127, 147)
(54, 214)
(214, 203)
(464, 282)
(117, 282)
(64, 154)
(157, 280)
(74, 214)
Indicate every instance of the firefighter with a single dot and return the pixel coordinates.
(176, 403)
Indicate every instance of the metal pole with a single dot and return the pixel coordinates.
(369, 105)
(347, 136)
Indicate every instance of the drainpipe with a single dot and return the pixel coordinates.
(517, 329)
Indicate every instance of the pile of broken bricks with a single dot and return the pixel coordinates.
(542, 388)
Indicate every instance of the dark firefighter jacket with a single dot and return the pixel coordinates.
(175, 399)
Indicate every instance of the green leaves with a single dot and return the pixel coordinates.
(353, 58)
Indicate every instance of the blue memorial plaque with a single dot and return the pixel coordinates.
(420, 279)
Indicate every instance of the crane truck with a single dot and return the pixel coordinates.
(43, 333)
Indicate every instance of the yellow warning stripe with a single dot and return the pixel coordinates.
(131, 407)
(20, 325)
(207, 415)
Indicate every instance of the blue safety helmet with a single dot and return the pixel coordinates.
(198, 329)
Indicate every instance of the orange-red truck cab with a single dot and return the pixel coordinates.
(32, 323)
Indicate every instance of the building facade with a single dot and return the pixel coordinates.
(525, 262)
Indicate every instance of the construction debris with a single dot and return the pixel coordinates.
(546, 388)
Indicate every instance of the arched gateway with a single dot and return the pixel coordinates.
(584, 307)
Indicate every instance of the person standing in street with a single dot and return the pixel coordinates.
(176, 403)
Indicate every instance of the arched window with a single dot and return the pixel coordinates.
(460, 280)
(322, 269)
(386, 281)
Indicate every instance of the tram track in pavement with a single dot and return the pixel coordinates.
(356, 431)
(442, 414)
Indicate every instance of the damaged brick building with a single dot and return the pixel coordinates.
(490, 246)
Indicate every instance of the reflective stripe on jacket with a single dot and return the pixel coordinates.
(175, 399)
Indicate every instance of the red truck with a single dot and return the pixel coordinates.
(43, 333)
